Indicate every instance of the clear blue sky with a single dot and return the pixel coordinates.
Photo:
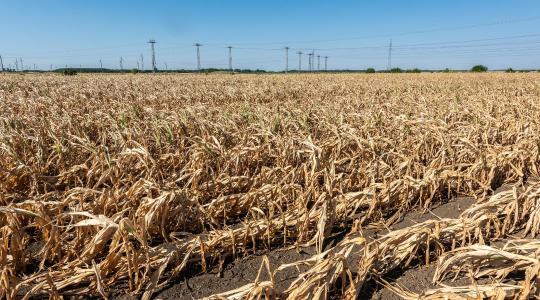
(354, 34)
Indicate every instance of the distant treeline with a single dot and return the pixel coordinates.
(73, 71)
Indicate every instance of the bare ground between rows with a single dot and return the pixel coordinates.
(418, 279)
(244, 271)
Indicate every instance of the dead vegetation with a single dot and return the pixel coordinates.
(108, 179)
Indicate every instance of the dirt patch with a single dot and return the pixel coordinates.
(244, 271)
(451, 209)
(237, 274)
(417, 279)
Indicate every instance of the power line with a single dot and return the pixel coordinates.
(396, 50)
(419, 45)
(405, 33)
(498, 22)
(389, 34)
(453, 48)
(446, 44)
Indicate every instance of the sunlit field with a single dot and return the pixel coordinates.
(115, 184)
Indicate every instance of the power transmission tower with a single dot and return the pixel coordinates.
(1, 64)
(309, 60)
(121, 64)
(198, 56)
(138, 66)
(34, 67)
(299, 60)
(389, 66)
(326, 63)
(318, 62)
(230, 58)
(22, 66)
(313, 60)
(50, 68)
(16, 65)
(152, 43)
(166, 67)
(287, 59)
(101, 65)
(142, 62)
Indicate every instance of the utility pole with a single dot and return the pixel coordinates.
(389, 66)
(121, 64)
(299, 60)
(198, 56)
(313, 60)
(142, 62)
(152, 43)
(309, 60)
(230, 58)
(287, 59)
(101, 65)
(326, 63)
(1, 64)
(318, 62)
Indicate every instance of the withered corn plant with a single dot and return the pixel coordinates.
(112, 182)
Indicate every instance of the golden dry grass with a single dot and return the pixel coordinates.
(137, 179)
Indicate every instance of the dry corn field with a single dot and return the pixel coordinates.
(270, 186)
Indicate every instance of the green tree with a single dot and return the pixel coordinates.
(415, 70)
(69, 72)
(479, 68)
(370, 70)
